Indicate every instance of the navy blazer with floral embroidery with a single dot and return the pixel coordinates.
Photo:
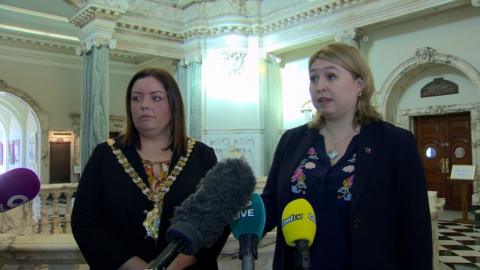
(389, 217)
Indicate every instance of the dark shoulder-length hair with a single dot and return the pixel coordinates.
(350, 59)
(178, 134)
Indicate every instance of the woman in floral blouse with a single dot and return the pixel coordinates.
(363, 176)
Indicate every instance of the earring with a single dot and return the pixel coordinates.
(360, 94)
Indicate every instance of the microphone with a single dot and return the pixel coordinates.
(248, 227)
(298, 227)
(200, 220)
(17, 187)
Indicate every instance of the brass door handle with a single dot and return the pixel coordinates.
(447, 166)
(441, 164)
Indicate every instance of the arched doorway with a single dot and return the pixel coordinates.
(398, 82)
(21, 132)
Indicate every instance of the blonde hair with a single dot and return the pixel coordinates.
(349, 58)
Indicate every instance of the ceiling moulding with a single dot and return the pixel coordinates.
(194, 32)
(48, 59)
(325, 8)
(40, 46)
(61, 47)
(33, 13)
(129, 57)
(408, 10)
(94, 11)
(368, 15)
(147, 44)
(150, 31)
(219, 30)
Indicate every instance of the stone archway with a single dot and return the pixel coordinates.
(424, 58)
(396, 83)
(42, 119)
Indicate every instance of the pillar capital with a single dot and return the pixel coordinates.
(97, 33)
(97, 23)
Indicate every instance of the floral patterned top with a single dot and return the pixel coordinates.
(329, 189)
(157, 173)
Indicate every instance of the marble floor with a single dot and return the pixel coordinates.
(459, 244)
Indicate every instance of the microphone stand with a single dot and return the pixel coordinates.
(167, 256)
(302, 255)
(248, 251)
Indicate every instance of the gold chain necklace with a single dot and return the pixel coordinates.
(152, 220)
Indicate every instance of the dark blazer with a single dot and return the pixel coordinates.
(389, 215)
(109, 209)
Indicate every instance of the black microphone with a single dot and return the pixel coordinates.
(200, 220)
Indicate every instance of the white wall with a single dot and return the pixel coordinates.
(58, 90)
(295, 85)
(455, 32)
(53, 81)
(232, 96)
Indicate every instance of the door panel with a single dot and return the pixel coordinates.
(431, 150)
(449, 137)
(458, 152)
(59, 162)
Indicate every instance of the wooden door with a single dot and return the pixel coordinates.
(442, 141)
(59, 162)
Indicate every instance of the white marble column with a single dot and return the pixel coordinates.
(189, 77)
(271, 102)
(96, 30)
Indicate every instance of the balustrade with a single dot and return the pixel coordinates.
(38, 233)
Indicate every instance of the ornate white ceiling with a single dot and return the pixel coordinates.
(161, 28)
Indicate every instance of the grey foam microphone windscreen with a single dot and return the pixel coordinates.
(202, 217)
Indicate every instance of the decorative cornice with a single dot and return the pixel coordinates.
(309, 14)
(151, 31)
(317, 19)
(37, 42)
(245, 30)
(95, 11)
(194, 32)
(46, 55)
(244, 27)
